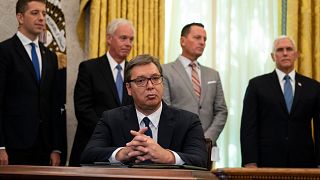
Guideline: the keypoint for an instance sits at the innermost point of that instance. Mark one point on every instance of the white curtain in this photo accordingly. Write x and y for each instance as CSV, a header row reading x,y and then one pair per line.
x,y
240,36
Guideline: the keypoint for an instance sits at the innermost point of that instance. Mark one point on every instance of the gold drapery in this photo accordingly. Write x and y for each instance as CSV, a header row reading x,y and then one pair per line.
x,y
147,17
303,25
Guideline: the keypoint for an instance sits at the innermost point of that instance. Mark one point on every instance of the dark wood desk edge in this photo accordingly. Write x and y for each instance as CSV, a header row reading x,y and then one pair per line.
x,y
266,172
38,172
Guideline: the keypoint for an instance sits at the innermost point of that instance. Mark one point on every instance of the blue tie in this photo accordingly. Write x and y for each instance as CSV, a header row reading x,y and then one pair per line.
x,y
119,82
35,60
288,95
146,121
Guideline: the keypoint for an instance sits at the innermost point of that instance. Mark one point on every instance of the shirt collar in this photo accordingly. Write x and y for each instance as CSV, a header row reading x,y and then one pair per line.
x,y
113,63
25,40
281,74
185,62
154,117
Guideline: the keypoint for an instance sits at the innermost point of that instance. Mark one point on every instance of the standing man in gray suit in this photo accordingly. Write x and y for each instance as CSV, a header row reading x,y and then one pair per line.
x,y
193,87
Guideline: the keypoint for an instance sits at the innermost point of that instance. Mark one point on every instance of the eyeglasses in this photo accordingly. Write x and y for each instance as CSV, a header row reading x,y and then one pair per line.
x,y
143,81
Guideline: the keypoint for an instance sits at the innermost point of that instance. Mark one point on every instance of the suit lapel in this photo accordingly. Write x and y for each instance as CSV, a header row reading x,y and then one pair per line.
x,y
297,91
130,122
126,97
204,81
277,90
44,61
106,71
25,57
166,126
184,76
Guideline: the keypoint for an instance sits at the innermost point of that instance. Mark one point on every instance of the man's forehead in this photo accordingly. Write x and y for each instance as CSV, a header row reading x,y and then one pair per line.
x,y
148,69
34,5
284,43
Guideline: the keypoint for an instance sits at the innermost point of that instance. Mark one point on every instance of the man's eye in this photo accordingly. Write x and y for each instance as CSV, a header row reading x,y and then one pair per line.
x,y
155,78
140,80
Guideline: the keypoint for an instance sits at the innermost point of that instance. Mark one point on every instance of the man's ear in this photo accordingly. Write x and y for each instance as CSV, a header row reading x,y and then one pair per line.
x,y
182,39
109,38
19,17
128,86
272,56
297,54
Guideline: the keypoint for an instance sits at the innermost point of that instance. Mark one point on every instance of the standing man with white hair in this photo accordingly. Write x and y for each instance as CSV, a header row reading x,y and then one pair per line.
x,y
278,109
99,86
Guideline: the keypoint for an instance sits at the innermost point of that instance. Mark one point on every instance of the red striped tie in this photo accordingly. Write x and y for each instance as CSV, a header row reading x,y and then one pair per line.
x,y
195,80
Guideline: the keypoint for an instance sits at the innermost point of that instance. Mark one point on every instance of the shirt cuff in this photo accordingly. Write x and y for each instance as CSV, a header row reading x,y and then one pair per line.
x,y
112,158
178,159
2,148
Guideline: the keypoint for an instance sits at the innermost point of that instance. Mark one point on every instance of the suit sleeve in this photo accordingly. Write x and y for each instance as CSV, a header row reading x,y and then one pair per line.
x,y
166,87
316,124
99,147
219,115
249,126
194,148
83,98
58,136
4,70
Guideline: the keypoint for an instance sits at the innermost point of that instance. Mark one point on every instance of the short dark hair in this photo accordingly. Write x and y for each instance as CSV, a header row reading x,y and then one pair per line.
x,y
140,60
21,5
186,29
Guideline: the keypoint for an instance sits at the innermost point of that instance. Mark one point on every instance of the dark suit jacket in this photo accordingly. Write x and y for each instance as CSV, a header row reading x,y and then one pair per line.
x,y
27,107
178,130
272,137
95,92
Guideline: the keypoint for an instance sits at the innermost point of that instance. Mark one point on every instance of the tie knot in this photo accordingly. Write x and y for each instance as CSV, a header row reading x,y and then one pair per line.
x,y
119,67
32,44
193,65
286,77
146,121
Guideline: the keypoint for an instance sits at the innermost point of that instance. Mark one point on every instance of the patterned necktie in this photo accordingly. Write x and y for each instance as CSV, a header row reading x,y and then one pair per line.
x,y
288,95
119,82
195,80
146,121
35,60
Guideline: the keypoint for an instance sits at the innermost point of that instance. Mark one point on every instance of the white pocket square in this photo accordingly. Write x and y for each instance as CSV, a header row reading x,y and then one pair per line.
x,y
212,82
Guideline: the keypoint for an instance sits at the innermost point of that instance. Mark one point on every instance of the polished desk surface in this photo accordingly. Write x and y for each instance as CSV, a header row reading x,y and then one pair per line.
x,y
267,173
48,172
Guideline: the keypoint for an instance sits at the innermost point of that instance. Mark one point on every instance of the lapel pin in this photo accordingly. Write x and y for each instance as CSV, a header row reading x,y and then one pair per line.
x,y
299,84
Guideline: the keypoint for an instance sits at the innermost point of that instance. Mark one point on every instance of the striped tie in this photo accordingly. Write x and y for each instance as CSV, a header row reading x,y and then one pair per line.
x,y
195,80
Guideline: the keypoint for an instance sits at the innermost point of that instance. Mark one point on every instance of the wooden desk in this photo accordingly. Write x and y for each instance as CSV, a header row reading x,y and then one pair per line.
x,y
13,172
267,173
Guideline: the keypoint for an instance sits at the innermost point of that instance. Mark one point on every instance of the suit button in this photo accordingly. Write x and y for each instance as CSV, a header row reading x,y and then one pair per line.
x,y
286,138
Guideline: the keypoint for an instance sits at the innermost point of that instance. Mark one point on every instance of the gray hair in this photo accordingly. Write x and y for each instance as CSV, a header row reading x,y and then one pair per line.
x,y
283,37
114,24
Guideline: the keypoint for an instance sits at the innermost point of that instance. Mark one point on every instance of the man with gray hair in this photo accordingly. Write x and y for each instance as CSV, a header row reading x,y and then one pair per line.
x,y
278,108
100,86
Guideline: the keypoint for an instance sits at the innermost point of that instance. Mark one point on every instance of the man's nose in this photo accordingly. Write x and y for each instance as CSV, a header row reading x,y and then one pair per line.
x,y
149,84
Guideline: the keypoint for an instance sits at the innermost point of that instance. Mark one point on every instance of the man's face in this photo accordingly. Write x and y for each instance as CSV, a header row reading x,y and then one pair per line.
x,y
147,99
194,43
32,22
284,55
120,43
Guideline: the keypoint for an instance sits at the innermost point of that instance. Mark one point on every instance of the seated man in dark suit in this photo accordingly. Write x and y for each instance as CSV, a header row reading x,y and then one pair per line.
x,y
149,130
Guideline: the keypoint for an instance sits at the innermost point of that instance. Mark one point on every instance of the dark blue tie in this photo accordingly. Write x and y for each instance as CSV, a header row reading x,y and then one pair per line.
x,y
146,121
288,95
119,82
35,60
